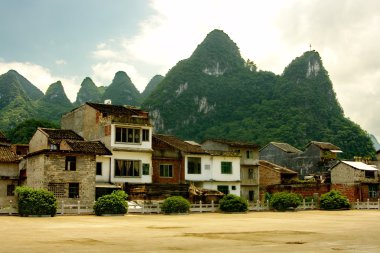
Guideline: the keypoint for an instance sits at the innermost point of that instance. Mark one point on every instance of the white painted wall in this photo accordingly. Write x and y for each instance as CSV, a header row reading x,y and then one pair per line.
x,y
143,157
141,145
105,177
214,186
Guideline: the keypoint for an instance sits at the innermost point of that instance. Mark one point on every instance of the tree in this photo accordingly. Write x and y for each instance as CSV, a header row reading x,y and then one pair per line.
x,y
24,131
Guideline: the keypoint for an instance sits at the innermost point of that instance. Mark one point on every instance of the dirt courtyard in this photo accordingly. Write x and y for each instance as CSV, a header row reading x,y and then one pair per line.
x,y
302,231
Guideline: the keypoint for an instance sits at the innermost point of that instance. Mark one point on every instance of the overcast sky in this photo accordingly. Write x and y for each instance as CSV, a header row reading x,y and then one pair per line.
x,y
67,40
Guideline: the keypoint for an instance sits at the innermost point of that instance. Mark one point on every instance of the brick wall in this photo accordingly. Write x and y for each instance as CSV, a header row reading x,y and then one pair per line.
x,y
351,191
178,171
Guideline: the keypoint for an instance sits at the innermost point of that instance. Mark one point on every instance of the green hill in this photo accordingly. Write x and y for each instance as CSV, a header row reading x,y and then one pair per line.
x,y
216,94
122,91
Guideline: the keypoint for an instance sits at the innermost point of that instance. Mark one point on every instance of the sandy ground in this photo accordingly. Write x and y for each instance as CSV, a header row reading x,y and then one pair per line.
x,y
302,231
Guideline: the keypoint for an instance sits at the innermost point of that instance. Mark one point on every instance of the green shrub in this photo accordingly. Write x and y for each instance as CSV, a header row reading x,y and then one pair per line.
x,y
114,203
35,201
334,200
233,203
175,204
282,201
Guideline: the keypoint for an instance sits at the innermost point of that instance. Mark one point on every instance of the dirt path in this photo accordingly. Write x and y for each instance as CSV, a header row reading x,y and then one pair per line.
x,y
307,231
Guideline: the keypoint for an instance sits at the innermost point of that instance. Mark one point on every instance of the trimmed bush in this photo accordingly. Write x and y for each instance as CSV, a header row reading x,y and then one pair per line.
x,y
114,203
334,200
283,201
35,201
175,204
232,203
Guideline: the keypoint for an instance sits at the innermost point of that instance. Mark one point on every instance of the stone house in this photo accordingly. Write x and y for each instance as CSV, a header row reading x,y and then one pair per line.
x,y
9,172
356,180
63,163
126,132
249,158
317,158
271,177
279,153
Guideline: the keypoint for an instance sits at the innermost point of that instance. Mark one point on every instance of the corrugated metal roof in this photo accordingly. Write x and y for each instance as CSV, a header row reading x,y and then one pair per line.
x,y
360,166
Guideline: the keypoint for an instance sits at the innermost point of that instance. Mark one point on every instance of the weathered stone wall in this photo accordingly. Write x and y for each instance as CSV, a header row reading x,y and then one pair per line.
x,y
268,176
351,191
38,142
344,174
6,201
275,155
50,168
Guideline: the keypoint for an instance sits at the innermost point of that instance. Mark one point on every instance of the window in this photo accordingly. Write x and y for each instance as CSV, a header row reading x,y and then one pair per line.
x,y
10,190
373,190
73,190
251,195
53,147
145,135
71,163
127,168
249,154
99,169
250,173
226,167
58,189
166,170
207,166
145,169
369,174
233,187
194,165
127,135
223,189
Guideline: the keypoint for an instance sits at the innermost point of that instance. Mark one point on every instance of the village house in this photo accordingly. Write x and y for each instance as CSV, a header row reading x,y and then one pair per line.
x,y
63,163
249,158
316,160
279,153
9,172
356,180
126,132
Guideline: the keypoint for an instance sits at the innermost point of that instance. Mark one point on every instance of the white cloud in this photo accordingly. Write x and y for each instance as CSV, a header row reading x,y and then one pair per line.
x,y
41,77
60,62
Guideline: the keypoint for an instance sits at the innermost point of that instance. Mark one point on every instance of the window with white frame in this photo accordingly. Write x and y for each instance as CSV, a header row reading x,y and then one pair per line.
x,y
99,166
127,168
166,170
127,135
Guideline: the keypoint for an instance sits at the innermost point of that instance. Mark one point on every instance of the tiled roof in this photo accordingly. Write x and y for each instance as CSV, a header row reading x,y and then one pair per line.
x,y
57,135
117,110
179,144
276,167
6,154
324,145
88,147
237,144
286,147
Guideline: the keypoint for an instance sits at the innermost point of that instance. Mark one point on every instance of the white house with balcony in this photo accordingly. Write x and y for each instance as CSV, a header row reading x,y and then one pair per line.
x,y
215,170
126,132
